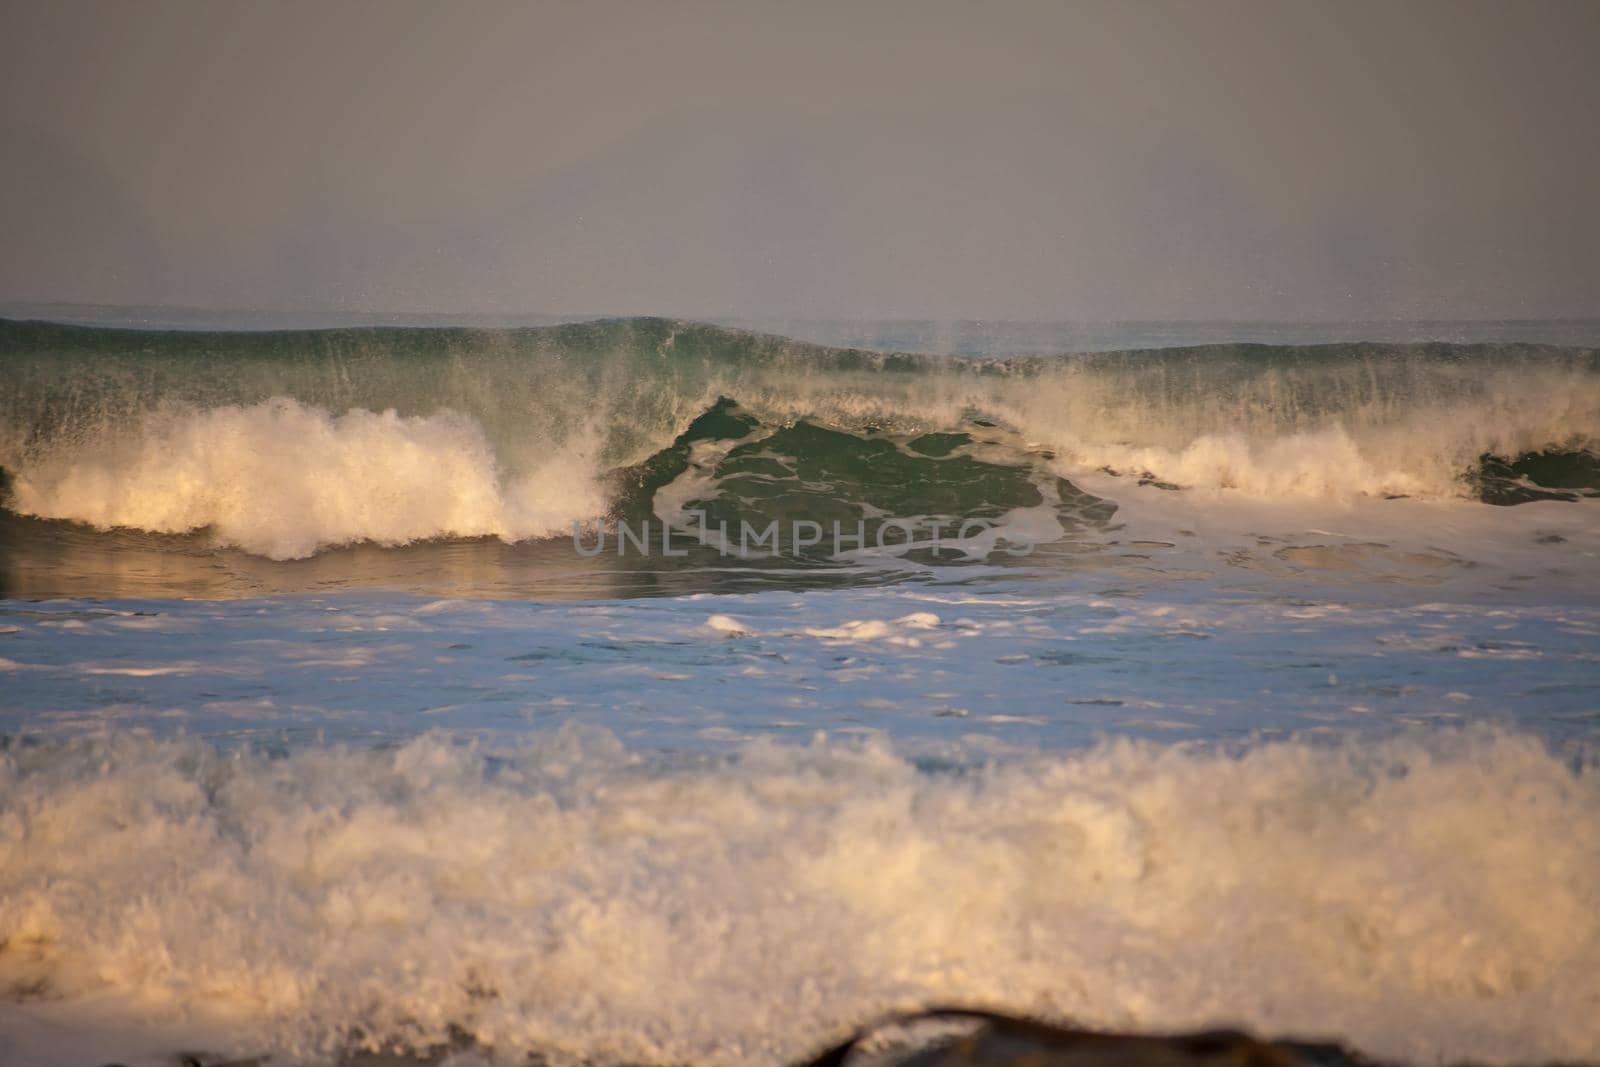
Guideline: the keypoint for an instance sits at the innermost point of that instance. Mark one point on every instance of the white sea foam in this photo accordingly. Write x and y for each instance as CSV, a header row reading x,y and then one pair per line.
x,y
1430,899
1263,444
283,479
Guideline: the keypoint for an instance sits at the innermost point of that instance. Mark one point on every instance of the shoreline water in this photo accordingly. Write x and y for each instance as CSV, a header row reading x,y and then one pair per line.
x,y
284,757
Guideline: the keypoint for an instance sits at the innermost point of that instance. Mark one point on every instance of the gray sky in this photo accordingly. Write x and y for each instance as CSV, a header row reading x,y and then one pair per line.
x,y
1095,161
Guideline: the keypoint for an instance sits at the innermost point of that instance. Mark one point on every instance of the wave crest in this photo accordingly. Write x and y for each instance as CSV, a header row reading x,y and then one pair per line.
x,y
282,479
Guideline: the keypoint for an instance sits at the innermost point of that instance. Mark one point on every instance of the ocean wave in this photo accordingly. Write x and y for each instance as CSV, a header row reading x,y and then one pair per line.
x,y
1427,898
284,443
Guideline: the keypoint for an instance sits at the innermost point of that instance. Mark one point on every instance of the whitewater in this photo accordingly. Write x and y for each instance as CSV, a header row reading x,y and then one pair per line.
x,y
318,733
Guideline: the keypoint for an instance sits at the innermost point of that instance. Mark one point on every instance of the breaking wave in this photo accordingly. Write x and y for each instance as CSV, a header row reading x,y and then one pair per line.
x,y
284,443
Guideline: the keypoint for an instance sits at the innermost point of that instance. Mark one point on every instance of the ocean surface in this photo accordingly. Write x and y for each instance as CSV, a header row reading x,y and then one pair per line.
x,y
659,692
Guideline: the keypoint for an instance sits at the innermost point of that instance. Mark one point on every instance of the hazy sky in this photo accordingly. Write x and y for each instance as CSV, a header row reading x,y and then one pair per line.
x,y
1064,160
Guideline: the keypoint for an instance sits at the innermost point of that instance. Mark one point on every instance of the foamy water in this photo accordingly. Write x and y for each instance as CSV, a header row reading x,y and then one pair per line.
x,y
595,903
282,479
721,829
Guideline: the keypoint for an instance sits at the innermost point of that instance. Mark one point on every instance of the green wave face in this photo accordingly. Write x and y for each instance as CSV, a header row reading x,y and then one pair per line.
x,y
1547,474
810,494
